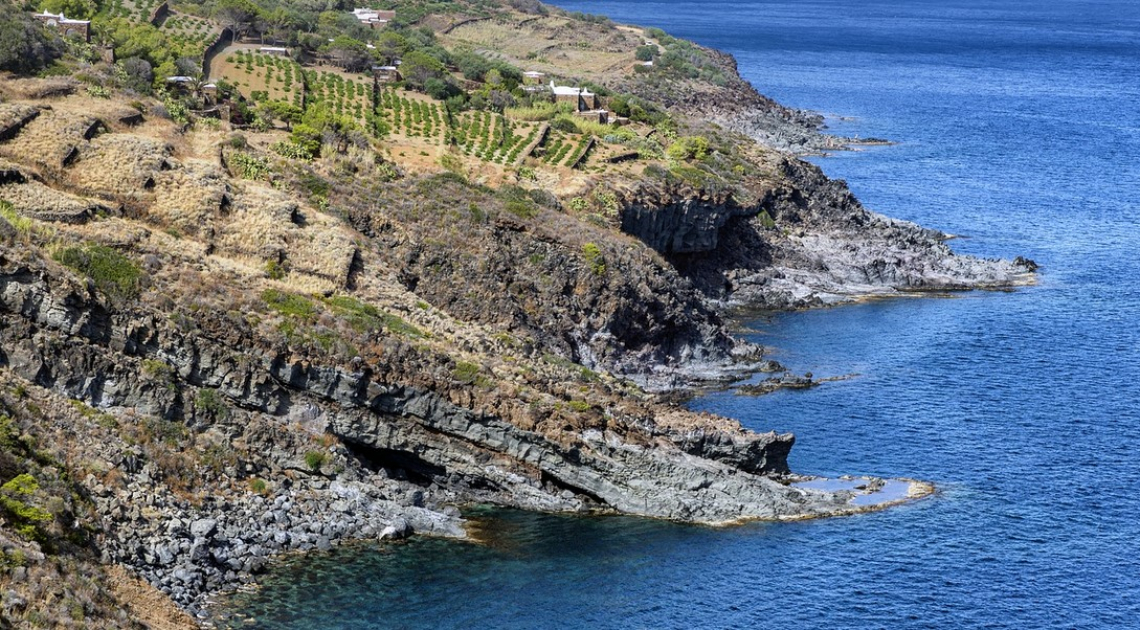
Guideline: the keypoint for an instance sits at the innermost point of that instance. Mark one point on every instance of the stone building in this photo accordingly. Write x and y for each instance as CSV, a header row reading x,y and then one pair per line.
x,y
582,99
66,26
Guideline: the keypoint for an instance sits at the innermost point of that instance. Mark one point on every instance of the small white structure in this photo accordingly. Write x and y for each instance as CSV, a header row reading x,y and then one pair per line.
x,y
274,50
387,74
373,17
65,25
582,98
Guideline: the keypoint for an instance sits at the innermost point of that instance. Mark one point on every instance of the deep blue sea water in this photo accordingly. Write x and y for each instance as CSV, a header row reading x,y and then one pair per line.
x,y
1018,125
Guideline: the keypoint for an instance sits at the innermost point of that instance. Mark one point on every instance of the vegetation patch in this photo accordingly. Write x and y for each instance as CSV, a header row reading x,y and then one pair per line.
x,y
210,403
315,460
289,304
594,258
466,372
113,273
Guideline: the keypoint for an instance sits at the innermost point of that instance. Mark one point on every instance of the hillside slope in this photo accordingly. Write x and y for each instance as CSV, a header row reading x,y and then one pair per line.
x,y
221,340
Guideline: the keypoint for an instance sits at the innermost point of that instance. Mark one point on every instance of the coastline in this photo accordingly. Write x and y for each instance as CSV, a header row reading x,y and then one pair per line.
x,y
829,250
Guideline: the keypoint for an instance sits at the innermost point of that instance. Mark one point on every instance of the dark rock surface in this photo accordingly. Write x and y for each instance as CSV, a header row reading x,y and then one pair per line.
x,y
806,242
404,453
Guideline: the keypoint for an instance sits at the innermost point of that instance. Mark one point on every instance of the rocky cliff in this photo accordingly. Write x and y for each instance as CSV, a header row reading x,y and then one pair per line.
x,y
400,454
220,353
803,241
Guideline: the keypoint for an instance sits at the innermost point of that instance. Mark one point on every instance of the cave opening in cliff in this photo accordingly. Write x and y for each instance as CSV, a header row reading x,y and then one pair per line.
x,y
398,463
552,483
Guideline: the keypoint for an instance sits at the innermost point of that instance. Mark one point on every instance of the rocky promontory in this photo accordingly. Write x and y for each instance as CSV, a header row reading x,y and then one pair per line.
x,y
232,326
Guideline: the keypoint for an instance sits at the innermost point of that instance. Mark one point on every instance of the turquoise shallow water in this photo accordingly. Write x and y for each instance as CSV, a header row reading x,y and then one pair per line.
x,y
1019,128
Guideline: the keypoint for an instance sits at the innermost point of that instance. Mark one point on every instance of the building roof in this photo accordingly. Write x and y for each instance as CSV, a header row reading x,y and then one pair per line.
x,y
534,74
61,18
370,15
564,90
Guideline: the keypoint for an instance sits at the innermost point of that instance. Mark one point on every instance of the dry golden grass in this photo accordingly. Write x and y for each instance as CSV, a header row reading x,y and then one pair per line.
x,y
553,44
38,201
49,139
268,226
146,603
324,249
121,165
189,198
37,88
12,114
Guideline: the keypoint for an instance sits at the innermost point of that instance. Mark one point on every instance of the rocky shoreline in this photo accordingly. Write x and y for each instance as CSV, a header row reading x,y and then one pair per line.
x,y
220,416
403,458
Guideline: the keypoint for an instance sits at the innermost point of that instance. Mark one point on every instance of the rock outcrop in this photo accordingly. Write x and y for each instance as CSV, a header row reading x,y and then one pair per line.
x,y
403,452
806,241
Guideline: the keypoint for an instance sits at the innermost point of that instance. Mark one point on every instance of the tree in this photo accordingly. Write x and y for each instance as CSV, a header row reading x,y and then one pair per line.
x,y
440,89
236,15
647,52
350,54
307,139
418,67
136,74
189,66
472,65
391,46
281,23
500,100
139,40
288,113
24,45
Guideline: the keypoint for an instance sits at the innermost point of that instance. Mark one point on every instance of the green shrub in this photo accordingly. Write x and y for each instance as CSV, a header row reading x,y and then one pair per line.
x,y
259,486
211,403
157,369
594,258
291,150
565,123
22,224
361,317
396,325
315,460
689,148
113,273
465,372
289,304
248,166
276,270
28,519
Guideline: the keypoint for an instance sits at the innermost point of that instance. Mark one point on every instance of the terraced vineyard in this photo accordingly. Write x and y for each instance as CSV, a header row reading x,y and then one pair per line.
x,y
344,96
563,149
412,117
491,137
192,33
133,10
265,77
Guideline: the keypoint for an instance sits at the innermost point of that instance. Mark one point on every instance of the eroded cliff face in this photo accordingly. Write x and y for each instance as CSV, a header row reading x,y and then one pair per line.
x,y
258,369
805,241
399,454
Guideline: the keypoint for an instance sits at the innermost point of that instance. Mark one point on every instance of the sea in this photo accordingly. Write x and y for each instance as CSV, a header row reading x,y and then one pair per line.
x,y
1017,125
